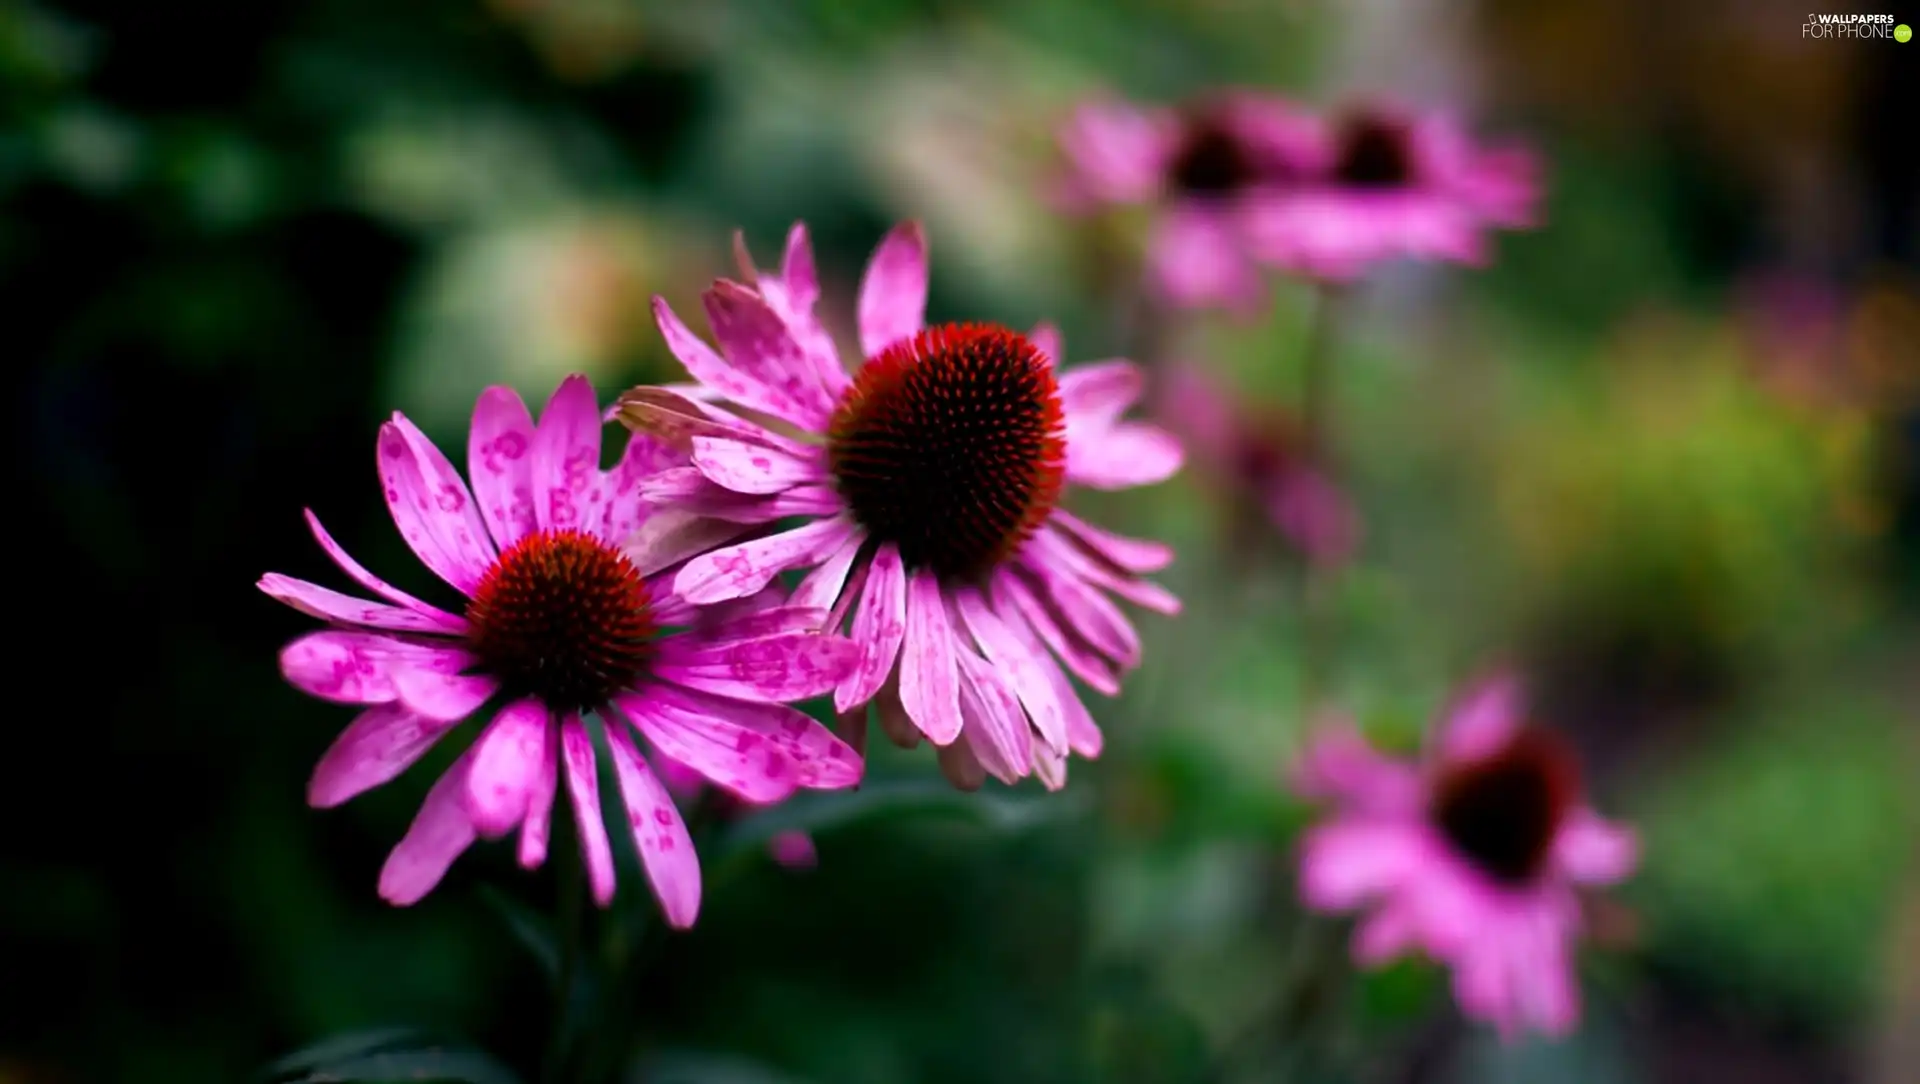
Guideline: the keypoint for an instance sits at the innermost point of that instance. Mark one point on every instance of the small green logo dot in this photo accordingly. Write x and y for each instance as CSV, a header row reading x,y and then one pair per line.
x,y
1903,32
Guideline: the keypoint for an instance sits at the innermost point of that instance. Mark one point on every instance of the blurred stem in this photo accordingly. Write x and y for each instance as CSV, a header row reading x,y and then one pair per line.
x,y
1317,422
569,906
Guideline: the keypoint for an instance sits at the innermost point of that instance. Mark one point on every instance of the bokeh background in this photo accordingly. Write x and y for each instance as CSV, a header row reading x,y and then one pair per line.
x,y
1664,455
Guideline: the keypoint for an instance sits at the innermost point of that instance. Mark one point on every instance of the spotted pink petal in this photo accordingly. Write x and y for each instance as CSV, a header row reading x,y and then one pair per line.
x,y
752,468
745,763
566,459
431,506
824,585
446,621
437,695
330,605
440,832
507,762
669,537
743,569
823,761
536,828
378,745
778,376
1013,662
879,625
343,667
666,850
773,669
768,617
643,457
499,461
583,787
995,727
929,683
893,292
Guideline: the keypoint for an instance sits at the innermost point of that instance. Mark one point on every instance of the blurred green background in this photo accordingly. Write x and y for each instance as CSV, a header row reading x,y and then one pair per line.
x,y
1665,454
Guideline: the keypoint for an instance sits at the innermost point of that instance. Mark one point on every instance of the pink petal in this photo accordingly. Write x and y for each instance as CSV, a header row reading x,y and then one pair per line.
x,y
1010,593
879,624
774,373
746,568
344,667
330,605
1050,766
1195,258
1045,338
1130,554
996,729
1015,663
1338,764
1592,851
507,762
498,448
436,695
379,744
793,298
673,416
823,761
666,850
431,506
1099,392
796,270
822,587
1388,933
670,537
566,459
742,761
1051,546
794,850
893,292
768,618
892,714
642,458
752,468
1123,456
929,683
537,826
1083,735
583,786
1345,863
1483,719
1118,153
447,622
773,669
438,835
1088,614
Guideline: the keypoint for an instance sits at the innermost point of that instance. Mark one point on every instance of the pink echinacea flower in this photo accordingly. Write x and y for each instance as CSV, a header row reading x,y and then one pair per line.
x,y
929,480
560,620
1475,857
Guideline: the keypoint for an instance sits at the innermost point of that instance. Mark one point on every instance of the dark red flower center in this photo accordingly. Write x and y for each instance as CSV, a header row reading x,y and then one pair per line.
x,y
951,445
564,617
1375,152
1212,161
1502,811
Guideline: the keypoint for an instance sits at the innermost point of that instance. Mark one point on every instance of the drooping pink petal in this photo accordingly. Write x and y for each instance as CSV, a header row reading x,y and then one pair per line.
x,y
961,767
1388,933
1345,863
1059,548
737,759
879,624
1088,614
773,669
752,468
1122,456
1014,662
745,568
1011,594
673,415
777,375
379,744
892,714
431,506
1083,735
565,464
1589,850
669,537
499,449
1050,766
996,729
666,850
330,605
439,695
822,587
814,756
929,682
439,834
583,787
537,826
447,622
507,762
893,292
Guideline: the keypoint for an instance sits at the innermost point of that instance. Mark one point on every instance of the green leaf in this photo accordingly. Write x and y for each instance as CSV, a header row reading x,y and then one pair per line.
x,y
528,927
818,811
389,1054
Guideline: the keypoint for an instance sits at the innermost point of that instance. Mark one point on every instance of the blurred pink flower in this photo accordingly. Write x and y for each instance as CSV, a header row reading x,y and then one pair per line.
x,y
1476,857
1263,466
1389,185
793,850
1203,166
929,481
560,620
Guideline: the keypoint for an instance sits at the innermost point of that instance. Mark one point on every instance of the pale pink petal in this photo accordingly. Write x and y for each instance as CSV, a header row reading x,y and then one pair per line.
x,y
752,468
439,834
995,727
823,586
1118,153
961,767
775,373
1058,548
330,605
743,569
583,787
773,669
1088,613
1134,555
1483,719
507,762
1083,735
1122,456
1338,764
538,823
666,850
1592,851
1015,663
794,850
1345,863
879,624
443,696
1195,258
565,464
794,299
1099,392
929,684
431,506
1050,766
1011,594
893,292
1045,338
447,622
623,508
499,447
379,744
670,537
